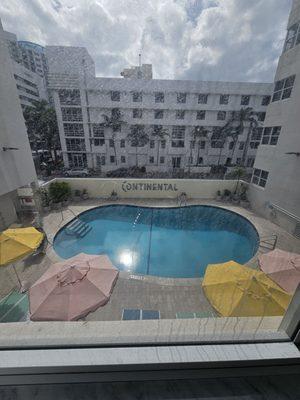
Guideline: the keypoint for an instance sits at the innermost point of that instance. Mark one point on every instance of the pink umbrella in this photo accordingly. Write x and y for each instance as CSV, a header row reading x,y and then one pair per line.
x,y
71,289
283,267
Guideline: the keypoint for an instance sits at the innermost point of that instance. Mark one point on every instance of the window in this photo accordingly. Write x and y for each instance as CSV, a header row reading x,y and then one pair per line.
x,y
71,114
178,134
254,145
221,116
77,160
100,160
115,96
231,145
200,160
245,100
137,97
152,144
224,99
190,160
111,143
250,161
180,114
98,130
241,145
161,160
201,114
217,144
260,177
261,116
69,97
137,113
123,159
192,144
283,88
112,159
158,114
292,37
256,134
163,144
238,161
266,100
116,128
151,159
73,130
75,144
99,142
122,143
271,135
181,97
202,98
115,113
159,97
202,144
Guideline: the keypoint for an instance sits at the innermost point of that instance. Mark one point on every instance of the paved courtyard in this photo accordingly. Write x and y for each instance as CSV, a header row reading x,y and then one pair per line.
x,y
167,295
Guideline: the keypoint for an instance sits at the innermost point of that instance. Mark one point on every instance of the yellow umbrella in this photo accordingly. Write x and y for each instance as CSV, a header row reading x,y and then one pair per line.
x,y
238,291
18,243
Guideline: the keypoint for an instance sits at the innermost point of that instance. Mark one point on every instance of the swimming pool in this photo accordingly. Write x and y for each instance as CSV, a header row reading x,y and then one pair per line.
x,y
176,242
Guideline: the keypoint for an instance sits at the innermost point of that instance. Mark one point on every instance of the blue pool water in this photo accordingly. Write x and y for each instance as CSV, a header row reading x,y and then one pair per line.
x,y
169,242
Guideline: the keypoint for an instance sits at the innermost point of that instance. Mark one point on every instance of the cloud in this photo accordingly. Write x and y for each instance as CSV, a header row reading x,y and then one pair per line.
x,y
235,40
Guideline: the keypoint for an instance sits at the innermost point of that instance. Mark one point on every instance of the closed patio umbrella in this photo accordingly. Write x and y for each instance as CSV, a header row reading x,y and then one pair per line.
x,y
283,267
71,289
238,291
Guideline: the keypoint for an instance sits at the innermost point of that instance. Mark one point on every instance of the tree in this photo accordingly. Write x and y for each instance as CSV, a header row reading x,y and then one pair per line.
x,y
238,173
198,134
42,127
243,117
159,133
138,138
114,122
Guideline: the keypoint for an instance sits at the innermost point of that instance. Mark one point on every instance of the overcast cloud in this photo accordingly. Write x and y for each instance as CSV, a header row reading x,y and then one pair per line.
x,y
233,40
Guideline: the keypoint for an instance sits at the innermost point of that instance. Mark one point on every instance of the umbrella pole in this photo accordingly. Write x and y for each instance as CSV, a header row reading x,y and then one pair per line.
x,y
20,284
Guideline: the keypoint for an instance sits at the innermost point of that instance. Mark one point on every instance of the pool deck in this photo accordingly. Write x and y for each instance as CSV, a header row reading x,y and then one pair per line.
x,y
168,295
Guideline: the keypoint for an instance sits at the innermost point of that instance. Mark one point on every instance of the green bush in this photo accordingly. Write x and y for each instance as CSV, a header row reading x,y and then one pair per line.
x,y
44,196
59,191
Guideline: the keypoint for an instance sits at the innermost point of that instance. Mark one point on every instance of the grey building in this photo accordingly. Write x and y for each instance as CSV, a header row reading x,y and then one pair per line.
x,y
189,113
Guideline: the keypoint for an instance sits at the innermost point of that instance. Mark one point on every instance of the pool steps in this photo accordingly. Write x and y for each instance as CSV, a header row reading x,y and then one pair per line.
x,y
78,228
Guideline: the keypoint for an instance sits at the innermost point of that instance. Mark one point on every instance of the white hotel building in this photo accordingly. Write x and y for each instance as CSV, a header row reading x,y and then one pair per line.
x,y
178,106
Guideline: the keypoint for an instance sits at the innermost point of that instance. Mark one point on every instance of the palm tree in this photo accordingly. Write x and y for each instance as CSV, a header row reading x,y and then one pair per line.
x,y
42,127
238,173
159,133
242,117
199,133
113,122
137,137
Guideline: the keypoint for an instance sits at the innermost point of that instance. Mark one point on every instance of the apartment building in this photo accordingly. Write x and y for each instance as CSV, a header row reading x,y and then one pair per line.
x,y
275,189
178,121
16,164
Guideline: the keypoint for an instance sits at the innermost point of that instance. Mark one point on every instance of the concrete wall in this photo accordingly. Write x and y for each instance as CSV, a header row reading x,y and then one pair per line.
x,y
7,210
16,166
283,185
149,188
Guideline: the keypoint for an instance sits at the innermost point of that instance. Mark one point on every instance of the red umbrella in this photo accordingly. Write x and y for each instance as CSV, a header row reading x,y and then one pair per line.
x,y
71,289
282,267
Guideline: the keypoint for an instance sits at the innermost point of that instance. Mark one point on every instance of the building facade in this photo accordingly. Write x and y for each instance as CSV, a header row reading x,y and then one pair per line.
x,y
109,123
275,189
16,164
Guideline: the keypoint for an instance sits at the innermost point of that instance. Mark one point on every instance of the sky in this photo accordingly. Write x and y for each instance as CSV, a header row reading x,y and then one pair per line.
x,y
227,40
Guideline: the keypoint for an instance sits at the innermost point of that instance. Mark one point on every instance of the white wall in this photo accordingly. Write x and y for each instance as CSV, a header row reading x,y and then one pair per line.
x,y
16,166
157,188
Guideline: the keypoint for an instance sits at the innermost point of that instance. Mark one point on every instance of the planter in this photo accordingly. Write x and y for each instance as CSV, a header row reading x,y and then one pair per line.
x,y
85,196
245,203
56,206
46,209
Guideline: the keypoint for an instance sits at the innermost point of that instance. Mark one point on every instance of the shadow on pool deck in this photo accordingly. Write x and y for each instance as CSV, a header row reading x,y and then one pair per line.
x,y
169,299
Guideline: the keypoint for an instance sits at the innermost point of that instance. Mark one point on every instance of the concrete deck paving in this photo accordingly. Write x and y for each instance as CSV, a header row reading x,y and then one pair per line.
x,y
167,295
